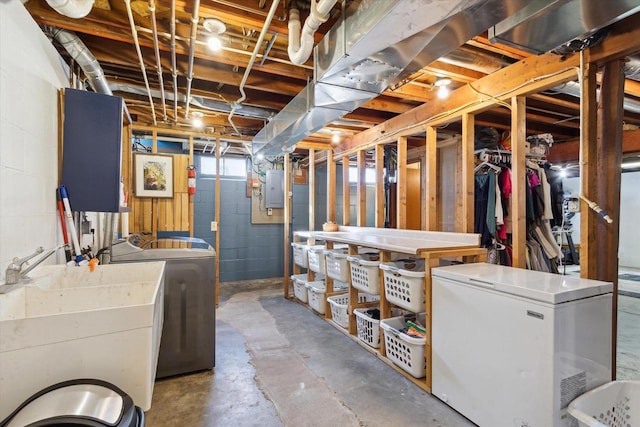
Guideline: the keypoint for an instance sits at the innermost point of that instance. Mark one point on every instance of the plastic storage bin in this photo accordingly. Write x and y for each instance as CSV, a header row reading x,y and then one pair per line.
x,y
315,257
368,328
614,404
300,286
336,262
300,254
316,294
404,284
339,305
404,351
364,272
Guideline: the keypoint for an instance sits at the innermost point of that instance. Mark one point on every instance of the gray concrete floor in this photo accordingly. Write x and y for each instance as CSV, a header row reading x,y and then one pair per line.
x,y
277,364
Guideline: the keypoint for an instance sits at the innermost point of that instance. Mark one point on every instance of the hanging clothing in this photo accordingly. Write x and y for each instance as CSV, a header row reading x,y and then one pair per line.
x,y
481,189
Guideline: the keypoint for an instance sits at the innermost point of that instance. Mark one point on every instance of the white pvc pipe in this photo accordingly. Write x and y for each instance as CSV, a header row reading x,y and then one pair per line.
x,y
72,8
301,40
256,49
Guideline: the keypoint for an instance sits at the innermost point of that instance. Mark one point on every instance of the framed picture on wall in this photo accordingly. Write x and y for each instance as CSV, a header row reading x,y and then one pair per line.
x,y
153,175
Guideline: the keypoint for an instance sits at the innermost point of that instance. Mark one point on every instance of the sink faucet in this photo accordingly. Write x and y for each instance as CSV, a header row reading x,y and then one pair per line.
x,y
15,273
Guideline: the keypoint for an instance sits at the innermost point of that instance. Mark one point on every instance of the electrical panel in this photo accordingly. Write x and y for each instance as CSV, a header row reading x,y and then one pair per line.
x,y
274,197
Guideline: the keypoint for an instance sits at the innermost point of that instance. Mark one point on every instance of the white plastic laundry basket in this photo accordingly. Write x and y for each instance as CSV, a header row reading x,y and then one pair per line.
x,y
339,303
404,284
614,404
316,294
336,260
404,351
364,272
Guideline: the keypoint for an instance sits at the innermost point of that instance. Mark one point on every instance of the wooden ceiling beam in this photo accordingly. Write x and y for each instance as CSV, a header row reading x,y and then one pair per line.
x,y
521,78
518,79
569,152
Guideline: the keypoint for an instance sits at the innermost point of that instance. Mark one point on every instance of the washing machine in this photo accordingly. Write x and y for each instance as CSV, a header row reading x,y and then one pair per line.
x,y
83,402
188,335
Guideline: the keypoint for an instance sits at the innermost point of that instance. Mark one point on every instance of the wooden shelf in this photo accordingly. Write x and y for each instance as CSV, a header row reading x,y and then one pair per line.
x,y
431,246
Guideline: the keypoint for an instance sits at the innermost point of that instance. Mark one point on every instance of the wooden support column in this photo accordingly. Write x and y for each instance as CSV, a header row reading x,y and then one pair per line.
x,y
609,152
217,216
467,178
588,177
518,176
191,201
379,186
430,221
287,222
312,189
401,184
346,192
361,208
331,187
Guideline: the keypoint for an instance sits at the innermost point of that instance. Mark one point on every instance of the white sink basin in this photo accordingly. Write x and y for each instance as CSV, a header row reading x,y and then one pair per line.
x,y
70,323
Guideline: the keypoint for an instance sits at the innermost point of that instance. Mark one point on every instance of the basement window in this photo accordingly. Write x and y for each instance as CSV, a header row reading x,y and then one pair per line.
x,y
230,166
370,176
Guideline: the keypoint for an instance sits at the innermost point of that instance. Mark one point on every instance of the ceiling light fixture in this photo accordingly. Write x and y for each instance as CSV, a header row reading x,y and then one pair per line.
x,y
196,120
216,27
442,85
335,138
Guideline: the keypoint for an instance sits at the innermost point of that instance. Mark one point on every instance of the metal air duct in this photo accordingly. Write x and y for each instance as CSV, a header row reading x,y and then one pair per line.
x,y
374,45
543,25
72,8
85,59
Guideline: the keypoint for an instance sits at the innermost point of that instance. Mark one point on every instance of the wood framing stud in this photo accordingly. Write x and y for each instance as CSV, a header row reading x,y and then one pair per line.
x,y
401,184
431,176
467,174
518,177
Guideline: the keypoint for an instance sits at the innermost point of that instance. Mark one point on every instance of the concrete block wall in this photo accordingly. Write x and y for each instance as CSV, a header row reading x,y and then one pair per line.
x,y
31,72
247,251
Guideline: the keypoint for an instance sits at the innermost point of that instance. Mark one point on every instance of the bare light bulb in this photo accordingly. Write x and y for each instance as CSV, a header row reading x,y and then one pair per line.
x,y
443,92
196,122
335,138
214,43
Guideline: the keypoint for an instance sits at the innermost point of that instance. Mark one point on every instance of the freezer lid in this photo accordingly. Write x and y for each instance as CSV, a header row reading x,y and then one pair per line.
x,y
536,285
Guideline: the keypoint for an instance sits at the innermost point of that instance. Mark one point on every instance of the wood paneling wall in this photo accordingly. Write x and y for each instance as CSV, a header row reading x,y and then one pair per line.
x,y
151,215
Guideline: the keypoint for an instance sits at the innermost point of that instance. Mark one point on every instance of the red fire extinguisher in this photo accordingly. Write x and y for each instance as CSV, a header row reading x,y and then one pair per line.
x,y
191,182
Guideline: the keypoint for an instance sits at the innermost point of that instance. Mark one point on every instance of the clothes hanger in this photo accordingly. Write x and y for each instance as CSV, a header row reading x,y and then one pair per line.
x,y
490,165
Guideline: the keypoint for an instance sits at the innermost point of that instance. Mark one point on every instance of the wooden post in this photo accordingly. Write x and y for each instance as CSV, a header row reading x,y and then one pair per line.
x,y
609,152
312,189
287,222
361,208
588,177
401,183
379,186
331,187
346,192
217,216
191,201
467,178
518,176
431,185
150,206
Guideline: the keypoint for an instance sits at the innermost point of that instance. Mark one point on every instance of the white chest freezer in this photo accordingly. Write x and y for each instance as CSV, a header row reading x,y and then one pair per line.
x,y
512,347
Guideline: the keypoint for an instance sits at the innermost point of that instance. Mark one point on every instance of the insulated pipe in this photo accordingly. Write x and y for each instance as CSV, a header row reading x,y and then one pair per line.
x,y
301,42
152,8
83,57
192,51
174,71
256,49
134,33
72,8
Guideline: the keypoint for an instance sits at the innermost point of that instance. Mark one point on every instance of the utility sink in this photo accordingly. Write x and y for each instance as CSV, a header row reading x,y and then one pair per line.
x,y
69,323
